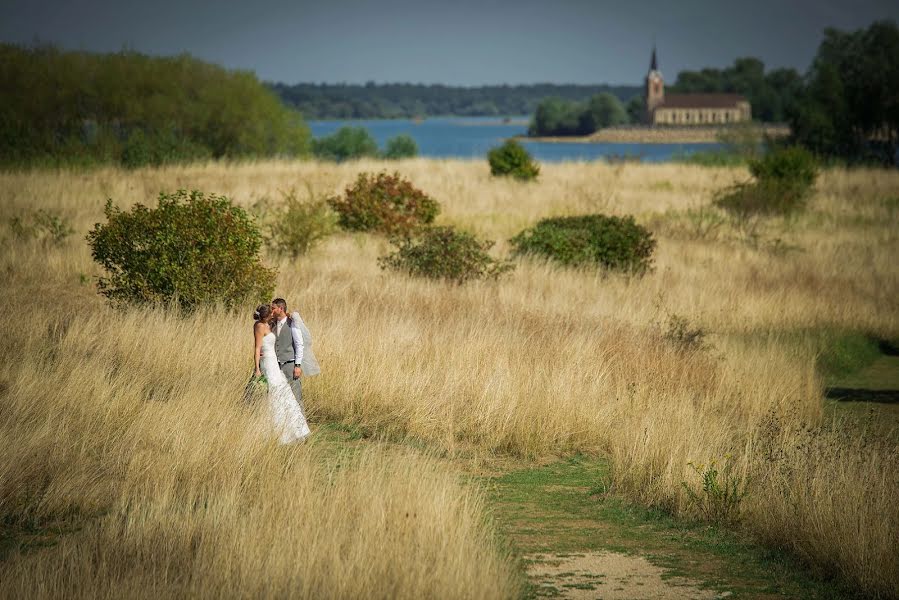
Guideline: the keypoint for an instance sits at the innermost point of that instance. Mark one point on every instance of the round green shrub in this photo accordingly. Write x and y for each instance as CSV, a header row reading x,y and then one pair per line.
x,y
444,253
299,225
401,146
512,160
193,249
770,197
791,165
385,203
784,181
346,143
616,243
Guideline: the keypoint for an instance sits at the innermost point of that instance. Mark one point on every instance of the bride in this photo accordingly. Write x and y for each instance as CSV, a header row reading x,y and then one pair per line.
x,y
287,418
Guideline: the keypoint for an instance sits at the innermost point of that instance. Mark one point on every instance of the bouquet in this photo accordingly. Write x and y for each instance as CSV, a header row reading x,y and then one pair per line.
x,y
256,387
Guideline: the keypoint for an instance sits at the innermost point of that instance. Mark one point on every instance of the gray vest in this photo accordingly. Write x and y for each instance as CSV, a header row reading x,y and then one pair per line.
x,y
284,343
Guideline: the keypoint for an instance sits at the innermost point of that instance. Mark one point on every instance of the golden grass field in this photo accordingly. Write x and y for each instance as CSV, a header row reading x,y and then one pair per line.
x,y
124,428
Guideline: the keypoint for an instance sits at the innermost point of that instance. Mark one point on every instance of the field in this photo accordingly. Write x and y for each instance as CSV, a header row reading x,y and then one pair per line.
x,y
132,468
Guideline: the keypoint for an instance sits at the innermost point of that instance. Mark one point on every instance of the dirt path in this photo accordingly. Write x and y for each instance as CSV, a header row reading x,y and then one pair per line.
x,y
611,576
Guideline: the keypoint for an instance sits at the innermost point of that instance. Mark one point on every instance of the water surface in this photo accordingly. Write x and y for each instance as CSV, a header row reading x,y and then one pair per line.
x,y
472,137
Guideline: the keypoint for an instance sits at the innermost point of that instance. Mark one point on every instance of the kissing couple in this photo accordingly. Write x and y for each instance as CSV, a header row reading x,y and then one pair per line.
x,y
283,354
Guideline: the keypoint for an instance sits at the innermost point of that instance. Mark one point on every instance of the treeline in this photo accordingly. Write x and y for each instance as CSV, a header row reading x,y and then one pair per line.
x,y
405,100
770,94
61,108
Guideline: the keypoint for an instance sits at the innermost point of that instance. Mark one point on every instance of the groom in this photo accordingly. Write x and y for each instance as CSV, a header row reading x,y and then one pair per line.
x,y
288,348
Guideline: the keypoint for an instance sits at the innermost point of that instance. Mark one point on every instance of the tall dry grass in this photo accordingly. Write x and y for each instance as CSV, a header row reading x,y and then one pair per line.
x,y
125,430
548,360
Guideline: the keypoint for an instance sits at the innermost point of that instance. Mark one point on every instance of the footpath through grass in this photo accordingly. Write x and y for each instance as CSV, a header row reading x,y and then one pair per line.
x,y
564,509
563,514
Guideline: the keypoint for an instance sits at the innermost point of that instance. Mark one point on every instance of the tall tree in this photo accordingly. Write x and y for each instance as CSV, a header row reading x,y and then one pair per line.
x,y
850,105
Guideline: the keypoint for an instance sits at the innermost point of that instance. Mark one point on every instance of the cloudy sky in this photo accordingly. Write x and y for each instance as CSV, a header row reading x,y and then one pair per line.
x,y
463,42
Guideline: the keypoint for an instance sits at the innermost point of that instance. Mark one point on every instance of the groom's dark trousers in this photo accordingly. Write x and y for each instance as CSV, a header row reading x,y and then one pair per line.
x,y
285,352
295,385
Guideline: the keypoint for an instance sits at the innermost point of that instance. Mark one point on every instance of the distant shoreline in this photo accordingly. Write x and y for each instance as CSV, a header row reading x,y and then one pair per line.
x,y
655,135
467,120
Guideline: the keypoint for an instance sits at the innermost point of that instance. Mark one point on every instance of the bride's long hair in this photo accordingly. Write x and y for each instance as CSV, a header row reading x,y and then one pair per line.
x,y
263,313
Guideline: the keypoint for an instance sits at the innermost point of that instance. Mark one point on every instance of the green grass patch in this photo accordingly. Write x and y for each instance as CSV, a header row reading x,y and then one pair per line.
x,y
845,352
837,352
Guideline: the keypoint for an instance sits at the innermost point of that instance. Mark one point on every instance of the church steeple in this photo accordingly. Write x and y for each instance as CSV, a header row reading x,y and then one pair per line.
x,y
655,86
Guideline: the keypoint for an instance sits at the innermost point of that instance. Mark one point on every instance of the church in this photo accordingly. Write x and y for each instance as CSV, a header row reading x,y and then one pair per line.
x,y
690,109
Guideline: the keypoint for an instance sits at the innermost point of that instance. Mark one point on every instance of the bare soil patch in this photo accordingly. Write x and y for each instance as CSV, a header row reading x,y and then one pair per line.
x,y
610,576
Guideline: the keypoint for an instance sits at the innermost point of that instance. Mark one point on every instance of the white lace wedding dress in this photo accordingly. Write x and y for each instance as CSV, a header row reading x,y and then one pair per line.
x,y
287,418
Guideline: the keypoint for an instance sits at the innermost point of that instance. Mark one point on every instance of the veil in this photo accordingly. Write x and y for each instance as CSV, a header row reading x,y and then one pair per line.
x,y
308,364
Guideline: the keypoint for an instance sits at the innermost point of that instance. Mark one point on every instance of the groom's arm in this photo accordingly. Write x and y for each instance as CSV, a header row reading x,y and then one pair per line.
x,y
297,337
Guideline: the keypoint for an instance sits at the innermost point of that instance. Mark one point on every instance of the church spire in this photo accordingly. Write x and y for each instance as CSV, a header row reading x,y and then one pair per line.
x,y
655,86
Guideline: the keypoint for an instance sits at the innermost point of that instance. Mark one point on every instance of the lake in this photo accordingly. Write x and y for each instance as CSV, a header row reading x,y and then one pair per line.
x,y
472,137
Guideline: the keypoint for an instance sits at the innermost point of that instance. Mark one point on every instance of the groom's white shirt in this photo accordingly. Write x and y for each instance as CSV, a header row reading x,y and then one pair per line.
x,y
297,340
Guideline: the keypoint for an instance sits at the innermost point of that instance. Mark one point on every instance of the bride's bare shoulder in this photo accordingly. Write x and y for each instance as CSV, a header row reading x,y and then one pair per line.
x,y
259,326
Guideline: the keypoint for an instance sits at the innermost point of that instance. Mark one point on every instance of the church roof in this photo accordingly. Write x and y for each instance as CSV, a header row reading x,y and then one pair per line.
x,y
653,63
701,101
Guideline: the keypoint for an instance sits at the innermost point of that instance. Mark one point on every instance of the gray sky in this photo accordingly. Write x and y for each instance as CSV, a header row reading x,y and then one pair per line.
x,y
463,42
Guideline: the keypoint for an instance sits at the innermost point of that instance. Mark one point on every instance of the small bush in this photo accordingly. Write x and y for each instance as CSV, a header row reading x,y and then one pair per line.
x,y
720,493
764,199
612,242
401,146
346,143
384,203
43,225
511,159
704,222
300,225
444,253
784,181
791,165
684,336
192,248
